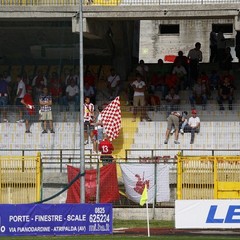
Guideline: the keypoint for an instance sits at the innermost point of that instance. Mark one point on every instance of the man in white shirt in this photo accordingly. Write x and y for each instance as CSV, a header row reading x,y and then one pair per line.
x,y
72,95
113,84
88,120
193,125
139,87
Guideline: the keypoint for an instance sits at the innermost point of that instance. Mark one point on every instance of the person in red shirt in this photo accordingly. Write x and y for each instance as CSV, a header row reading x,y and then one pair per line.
x,y
27,101
106,148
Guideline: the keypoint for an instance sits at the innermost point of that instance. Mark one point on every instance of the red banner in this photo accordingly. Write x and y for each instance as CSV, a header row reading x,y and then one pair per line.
x,y
108,185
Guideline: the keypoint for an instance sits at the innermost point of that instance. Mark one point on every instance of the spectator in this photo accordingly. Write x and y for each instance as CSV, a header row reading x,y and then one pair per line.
x,y
194,56
55,88
38,83
106,148
173,120
227,60
99,130
29,108
45,102
113,84
89,91
214,80
221,45
182,123
237,47
172,100
180,71
88,120
4,97
193,125
153,100
143,70
158,80
7,77
21,91
213,47
225,93
72,95
199,94
181,59
71,75
139,87
172,81
89,78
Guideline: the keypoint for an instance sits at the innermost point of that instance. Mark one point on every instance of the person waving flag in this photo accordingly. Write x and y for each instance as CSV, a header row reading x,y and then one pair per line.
x,y
111,119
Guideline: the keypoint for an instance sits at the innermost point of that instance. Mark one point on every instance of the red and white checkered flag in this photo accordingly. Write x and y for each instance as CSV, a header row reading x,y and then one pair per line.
x,y
111,118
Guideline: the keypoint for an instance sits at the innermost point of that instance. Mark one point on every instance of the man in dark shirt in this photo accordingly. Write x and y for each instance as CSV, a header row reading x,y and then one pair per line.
x,y
225,93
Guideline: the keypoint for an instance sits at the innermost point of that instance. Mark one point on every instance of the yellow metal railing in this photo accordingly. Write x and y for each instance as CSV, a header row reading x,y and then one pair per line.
x,y
208,177
20,179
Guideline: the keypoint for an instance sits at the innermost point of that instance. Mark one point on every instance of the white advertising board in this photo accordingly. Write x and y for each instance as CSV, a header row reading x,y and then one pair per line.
x,y
207,214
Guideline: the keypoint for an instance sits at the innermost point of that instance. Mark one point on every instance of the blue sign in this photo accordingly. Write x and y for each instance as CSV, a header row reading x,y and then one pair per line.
x,y
55,219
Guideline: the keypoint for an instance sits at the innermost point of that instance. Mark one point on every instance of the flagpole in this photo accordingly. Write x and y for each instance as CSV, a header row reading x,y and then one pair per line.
x,y
81,110
148,228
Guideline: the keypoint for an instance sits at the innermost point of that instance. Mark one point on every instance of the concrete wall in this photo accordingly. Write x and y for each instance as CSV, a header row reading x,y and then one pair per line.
x,y
154,45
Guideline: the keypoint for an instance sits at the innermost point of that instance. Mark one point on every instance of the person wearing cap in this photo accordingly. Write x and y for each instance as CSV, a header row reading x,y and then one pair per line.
x,y
173,120
193,125
29,112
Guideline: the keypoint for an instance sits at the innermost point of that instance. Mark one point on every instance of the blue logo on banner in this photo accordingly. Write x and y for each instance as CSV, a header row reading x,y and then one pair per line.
x,y
55,219
232,216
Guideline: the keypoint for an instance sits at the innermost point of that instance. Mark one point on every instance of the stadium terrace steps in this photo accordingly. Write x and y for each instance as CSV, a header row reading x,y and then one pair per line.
x,y
212,136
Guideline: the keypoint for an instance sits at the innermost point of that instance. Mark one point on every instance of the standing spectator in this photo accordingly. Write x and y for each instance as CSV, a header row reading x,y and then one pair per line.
x,y
139,87
213,47
113,84
194,56
183,60
99,130
4,97
227,59
193,125
221,45
199,94
38,83
143,70
173,101
72,95
158,80
45,101
225,93
106,148
173,120
29,110
21,91
237,47
88,120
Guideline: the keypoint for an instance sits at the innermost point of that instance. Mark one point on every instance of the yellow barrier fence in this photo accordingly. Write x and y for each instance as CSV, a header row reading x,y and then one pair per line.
x,y
20,179
208,177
